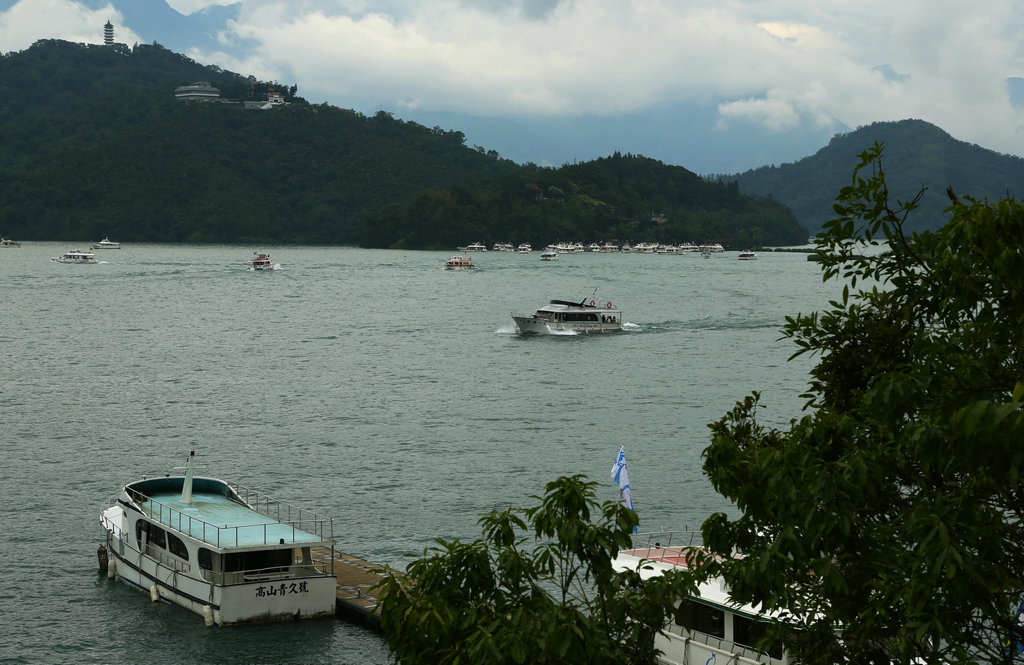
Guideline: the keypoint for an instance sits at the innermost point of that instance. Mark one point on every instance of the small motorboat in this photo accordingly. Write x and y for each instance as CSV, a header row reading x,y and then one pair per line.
x,y
459,262
75,256
260,261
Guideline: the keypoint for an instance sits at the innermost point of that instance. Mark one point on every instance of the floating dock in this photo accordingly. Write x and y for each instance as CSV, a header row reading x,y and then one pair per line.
x,y
354,597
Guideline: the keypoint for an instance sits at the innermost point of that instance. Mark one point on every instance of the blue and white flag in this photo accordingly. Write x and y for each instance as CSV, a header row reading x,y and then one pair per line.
x,y
621,477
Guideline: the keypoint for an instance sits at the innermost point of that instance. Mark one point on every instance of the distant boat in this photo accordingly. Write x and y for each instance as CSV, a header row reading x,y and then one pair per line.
x,y
747,256
107,243
548,256
260,261
459,262
75,256
6,242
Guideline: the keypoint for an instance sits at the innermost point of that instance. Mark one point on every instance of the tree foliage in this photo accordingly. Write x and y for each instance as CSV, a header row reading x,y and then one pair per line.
x,y
893,509
538,587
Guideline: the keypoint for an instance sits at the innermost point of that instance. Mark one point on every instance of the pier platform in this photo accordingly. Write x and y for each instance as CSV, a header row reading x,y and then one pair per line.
x,y
354,597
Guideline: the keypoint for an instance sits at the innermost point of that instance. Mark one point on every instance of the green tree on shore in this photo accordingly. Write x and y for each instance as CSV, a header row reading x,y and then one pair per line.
x,y
893,509
537,588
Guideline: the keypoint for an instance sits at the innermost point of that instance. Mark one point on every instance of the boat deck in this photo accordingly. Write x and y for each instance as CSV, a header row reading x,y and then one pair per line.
x,y
673,556
215,519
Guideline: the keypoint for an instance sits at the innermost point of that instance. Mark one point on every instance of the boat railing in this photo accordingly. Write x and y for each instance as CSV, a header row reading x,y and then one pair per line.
x,y
654,542
737,653
286,513
297,520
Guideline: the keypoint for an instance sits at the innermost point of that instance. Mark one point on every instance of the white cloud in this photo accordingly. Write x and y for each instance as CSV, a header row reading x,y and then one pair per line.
x,y
776,63
28,21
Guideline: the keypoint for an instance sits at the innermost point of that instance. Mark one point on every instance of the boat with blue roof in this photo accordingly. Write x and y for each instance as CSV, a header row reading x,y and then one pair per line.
x,y
228,553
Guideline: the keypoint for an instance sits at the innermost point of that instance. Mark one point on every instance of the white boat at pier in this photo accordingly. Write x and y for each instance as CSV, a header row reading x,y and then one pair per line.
x,y
225,552
709,625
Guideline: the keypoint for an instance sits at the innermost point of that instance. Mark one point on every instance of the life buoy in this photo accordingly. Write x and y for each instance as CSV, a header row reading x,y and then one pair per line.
x,y
608,304
591,303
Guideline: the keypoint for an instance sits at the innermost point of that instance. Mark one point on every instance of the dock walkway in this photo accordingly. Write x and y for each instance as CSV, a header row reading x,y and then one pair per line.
x,y
354,597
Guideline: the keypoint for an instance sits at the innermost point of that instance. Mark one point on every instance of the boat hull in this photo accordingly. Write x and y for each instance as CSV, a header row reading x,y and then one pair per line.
x,y
534,325
255,601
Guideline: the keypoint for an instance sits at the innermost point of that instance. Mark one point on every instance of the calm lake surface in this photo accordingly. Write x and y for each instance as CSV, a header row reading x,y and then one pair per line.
x,y
373,386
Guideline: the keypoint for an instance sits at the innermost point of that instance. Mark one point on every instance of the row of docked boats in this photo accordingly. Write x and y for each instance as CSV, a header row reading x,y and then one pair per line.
x,y
605,247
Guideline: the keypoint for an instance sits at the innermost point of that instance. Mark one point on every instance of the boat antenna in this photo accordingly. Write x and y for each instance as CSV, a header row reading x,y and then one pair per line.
x,y
186,488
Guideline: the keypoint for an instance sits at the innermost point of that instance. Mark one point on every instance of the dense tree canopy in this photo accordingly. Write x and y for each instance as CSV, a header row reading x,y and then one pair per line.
x,y
893,509
505,599
93,143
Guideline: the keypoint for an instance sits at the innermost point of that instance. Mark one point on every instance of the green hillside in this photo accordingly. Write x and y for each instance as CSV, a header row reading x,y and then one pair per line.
x,y
917,154
95,144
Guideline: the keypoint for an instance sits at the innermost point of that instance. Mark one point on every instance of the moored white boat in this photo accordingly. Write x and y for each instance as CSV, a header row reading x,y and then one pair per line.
x,y
75,256
459,262
565,316
107,243
225,552
707,626
524,248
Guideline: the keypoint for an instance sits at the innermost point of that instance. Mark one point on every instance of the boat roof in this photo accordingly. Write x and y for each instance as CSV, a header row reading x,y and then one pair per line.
x,y
561,305
216,517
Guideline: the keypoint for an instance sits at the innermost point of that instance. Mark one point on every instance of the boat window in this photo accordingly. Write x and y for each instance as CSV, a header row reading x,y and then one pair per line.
x,y
257,560
748,631
205,559
176,546
700,617
156,536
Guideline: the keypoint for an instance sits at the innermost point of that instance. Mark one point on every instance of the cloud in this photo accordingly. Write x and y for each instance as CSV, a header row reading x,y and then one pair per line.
x,y
28,21
777,64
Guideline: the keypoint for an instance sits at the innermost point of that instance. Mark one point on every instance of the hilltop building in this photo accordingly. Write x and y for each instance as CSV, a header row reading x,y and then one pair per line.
x,y
108,34
200,91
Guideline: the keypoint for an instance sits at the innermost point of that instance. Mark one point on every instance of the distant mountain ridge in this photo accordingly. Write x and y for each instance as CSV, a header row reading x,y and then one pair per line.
x,y
917,154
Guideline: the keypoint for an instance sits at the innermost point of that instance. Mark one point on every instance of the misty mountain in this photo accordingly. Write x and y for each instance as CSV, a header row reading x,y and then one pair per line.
x,y
918,155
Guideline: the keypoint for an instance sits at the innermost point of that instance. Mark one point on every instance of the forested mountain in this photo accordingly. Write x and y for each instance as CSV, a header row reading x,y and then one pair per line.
x,y
917,154
93,143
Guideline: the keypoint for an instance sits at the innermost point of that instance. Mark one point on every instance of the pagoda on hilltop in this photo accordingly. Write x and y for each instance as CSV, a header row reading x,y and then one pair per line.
x,y
108,34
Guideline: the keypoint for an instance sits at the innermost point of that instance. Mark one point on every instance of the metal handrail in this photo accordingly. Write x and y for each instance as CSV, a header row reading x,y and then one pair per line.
x,y
305,520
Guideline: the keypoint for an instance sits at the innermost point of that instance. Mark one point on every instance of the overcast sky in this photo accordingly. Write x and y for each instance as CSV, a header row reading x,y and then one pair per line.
x,y
777,64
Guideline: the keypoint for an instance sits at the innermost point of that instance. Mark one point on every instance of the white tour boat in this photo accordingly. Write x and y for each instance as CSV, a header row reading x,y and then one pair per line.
x,y
228,553
708,626
260,261
107,243
475,247
549,256
566,316
459,262
747,256
524,248
75,256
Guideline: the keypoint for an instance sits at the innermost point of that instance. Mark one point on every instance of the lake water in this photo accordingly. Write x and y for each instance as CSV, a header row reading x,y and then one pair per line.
x,y
373,386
